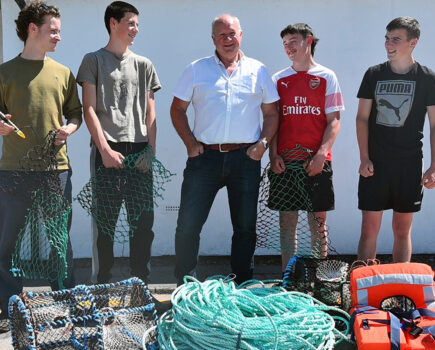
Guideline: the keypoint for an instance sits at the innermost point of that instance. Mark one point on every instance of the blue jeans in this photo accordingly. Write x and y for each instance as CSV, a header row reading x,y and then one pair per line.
x,y
15,200
203,177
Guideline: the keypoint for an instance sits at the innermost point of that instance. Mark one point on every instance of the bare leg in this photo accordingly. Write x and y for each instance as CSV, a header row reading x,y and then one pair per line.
x,y
288,221
319,234
402,227
370,227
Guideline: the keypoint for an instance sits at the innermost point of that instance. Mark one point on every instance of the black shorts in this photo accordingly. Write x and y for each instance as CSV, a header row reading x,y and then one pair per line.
x,y
395,185
294,190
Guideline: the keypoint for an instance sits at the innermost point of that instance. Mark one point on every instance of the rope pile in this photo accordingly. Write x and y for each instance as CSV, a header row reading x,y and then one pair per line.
x,y
218,314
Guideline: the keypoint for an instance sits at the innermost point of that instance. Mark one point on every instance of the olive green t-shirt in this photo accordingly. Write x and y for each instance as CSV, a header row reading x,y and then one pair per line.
x,y
37,94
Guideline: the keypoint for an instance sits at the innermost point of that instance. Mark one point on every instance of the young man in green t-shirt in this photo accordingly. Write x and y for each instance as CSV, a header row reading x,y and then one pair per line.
x,y
37,92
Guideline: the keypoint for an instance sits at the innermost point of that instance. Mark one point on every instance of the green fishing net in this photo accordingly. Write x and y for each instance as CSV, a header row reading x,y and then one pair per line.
x,y
116,198
41,248
286,221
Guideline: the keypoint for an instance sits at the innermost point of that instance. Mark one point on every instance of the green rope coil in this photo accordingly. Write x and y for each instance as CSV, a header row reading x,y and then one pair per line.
x,y
218,314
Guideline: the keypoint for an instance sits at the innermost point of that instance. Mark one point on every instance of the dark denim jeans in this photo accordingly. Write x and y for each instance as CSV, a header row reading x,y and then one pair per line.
x,y
14,203
203,177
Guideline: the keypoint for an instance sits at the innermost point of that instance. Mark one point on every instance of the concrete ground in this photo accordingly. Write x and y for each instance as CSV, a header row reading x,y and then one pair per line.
x,y
162,282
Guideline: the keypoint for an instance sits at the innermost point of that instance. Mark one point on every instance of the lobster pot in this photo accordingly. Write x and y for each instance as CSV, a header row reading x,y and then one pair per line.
x,y
108,316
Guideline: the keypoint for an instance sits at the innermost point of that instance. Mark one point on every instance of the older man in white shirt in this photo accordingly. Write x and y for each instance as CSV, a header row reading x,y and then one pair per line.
x,y
230,93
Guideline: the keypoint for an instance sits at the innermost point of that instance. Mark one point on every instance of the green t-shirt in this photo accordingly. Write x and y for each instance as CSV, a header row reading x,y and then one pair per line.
x,y
37,93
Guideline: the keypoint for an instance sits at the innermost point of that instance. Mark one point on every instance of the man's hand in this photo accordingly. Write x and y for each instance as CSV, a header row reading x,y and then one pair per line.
x,y
5,129
366,168
429,178
63,133
195,149
277,164
315,165
112,159
256,151
145,161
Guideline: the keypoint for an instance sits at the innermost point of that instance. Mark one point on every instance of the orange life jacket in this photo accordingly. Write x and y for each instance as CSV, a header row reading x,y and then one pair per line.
x,y
375,329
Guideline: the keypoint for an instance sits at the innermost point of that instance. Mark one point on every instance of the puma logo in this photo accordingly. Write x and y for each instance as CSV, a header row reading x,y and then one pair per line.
x,y
385,103
285,84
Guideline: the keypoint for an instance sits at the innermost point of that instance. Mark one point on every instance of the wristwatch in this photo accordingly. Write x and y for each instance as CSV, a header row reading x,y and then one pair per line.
x,y
265,143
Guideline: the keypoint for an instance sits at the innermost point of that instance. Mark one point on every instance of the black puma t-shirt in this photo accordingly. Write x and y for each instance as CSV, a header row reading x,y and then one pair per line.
x,y
399,107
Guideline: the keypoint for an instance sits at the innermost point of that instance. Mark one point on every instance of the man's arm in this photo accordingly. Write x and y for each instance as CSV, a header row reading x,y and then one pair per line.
x,y
366,168
315,165
111,158
270,126
181,125
150,120
429,176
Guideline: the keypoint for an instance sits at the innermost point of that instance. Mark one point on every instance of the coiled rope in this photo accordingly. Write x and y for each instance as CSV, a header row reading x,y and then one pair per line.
x,y
218,314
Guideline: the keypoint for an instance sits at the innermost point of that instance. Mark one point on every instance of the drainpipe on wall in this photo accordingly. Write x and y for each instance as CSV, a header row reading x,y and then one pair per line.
x,y
21,3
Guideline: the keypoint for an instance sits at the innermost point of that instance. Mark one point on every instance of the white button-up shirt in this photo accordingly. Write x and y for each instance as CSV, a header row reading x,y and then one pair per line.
x,y
227,107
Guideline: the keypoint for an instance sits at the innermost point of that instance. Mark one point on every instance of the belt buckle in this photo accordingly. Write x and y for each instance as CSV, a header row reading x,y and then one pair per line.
x,y
220,148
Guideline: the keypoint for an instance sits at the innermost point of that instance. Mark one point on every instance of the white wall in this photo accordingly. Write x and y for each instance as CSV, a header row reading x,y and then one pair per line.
x,y
175,32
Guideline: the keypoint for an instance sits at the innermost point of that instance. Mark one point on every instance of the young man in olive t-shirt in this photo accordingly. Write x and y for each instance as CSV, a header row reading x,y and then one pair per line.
x,y
37,92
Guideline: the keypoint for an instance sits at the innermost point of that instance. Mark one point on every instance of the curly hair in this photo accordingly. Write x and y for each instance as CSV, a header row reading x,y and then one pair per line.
x,y
34,13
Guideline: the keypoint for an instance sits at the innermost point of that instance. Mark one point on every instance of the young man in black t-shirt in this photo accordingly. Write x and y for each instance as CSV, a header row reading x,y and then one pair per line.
x,y
393,100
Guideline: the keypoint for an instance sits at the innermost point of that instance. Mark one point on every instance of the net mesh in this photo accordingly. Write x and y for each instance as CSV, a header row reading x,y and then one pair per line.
x,y
116,198
110,316
286,221
41,247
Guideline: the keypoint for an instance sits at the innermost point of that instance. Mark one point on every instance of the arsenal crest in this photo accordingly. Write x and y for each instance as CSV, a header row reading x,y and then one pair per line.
x,y
314,83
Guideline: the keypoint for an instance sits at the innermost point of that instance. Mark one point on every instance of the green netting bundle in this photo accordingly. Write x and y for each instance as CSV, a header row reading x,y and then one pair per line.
x,y
41,246
116,198
286,221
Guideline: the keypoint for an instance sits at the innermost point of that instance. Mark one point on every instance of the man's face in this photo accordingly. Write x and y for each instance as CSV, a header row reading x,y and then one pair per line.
x,y
397,44
127,28
227,38
48,34
296,46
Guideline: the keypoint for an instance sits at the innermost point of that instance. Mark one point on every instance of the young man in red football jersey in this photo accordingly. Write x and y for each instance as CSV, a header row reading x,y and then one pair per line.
x,y
309,107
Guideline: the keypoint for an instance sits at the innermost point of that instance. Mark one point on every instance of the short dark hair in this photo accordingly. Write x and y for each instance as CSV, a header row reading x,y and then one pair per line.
x,y
410,24
34,13
117,10
303,29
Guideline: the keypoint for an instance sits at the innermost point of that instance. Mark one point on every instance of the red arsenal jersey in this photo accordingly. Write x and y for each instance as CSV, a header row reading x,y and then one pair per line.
x,y
305,99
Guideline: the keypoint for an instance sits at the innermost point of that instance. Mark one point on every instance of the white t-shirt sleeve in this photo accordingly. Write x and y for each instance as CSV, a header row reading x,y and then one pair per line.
x,y
334,98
